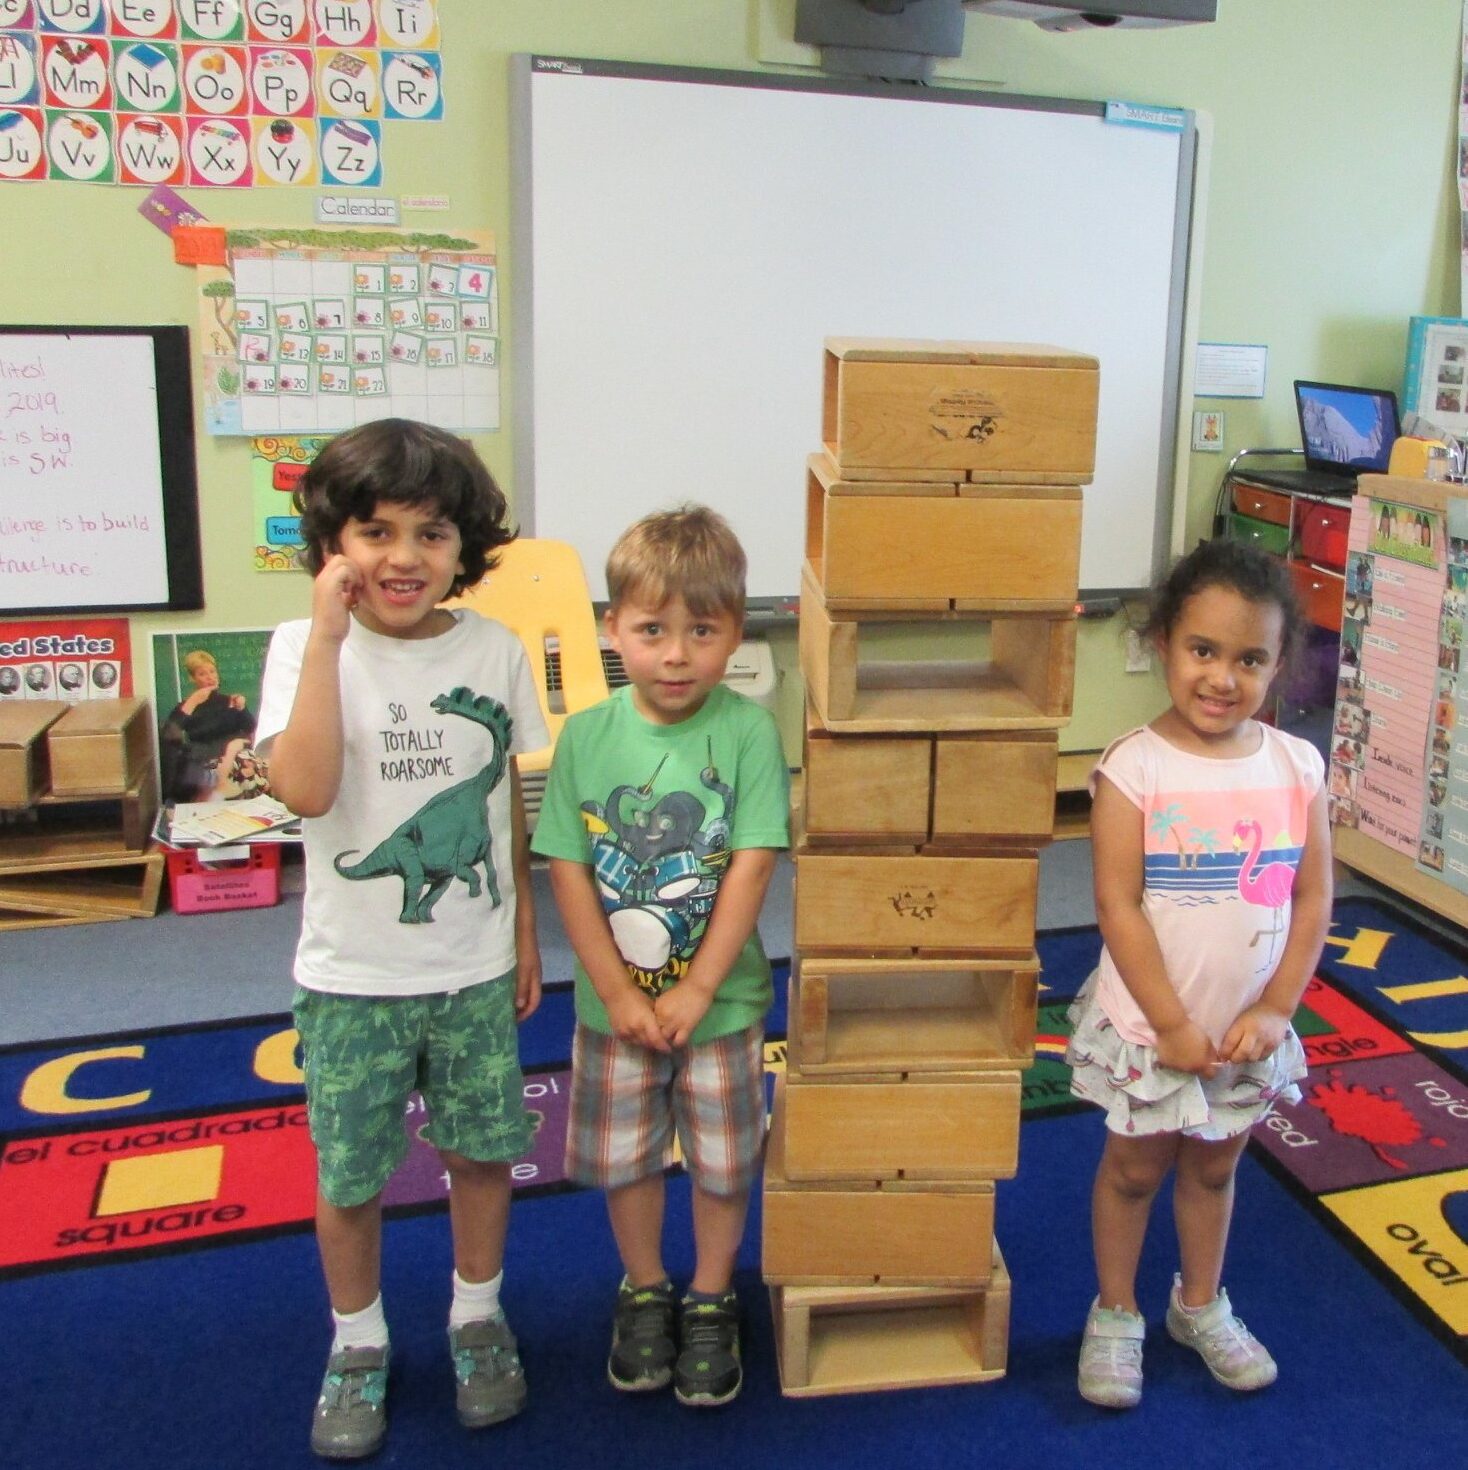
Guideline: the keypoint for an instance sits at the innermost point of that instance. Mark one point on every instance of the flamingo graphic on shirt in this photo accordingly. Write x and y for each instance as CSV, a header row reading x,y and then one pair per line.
x,y
1268,887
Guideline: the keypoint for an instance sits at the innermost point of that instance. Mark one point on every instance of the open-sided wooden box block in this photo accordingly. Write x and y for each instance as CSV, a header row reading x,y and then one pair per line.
x,y
1026,684
100,745
909,903
866,1016
859,1339
24,773
927,545
999,408
973,790
921,1125
872,1232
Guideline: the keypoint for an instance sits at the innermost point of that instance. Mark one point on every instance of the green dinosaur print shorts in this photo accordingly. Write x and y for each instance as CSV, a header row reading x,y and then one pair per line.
x,y
363,1055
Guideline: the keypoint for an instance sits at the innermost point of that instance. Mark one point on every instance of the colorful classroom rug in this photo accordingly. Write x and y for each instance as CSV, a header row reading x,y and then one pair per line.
x,y
163,1307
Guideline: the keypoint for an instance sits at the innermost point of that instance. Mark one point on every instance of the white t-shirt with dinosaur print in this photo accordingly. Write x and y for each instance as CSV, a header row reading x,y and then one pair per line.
x,y
410,884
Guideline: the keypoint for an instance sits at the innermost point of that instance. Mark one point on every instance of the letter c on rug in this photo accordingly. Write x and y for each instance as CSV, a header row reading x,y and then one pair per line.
x,y
44,1091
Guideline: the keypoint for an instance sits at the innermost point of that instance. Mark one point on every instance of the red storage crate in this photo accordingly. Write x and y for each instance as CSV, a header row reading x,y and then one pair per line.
x,y
250,882
1323,530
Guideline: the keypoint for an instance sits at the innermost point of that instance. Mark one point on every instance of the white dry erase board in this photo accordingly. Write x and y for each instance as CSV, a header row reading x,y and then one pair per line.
x,y
685,241
98,494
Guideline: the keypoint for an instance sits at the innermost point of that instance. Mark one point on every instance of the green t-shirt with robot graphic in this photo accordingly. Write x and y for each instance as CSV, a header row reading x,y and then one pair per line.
x,y
657,811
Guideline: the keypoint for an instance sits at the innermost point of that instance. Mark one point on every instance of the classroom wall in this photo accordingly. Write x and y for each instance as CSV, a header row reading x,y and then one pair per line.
x,y
1329,216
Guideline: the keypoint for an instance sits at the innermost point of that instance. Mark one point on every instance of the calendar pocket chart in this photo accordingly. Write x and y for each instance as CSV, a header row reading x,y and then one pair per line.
x,y
312,331
212,93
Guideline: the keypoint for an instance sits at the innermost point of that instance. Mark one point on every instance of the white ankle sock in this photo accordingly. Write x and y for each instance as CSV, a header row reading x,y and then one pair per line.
x,y
367,1328
474,1300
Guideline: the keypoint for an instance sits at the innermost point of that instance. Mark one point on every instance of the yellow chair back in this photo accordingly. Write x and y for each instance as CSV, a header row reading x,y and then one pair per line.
x,y
539,591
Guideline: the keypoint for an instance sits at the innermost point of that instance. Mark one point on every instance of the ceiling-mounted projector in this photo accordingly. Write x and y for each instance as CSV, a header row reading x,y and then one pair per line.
x,y
1101,14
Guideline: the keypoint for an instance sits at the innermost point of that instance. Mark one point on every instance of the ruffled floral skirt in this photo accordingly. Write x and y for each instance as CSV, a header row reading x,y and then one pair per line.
x,y
1139,1096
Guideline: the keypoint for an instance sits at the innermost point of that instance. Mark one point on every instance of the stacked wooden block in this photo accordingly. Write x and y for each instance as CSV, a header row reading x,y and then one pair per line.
x,y
78,794
947,490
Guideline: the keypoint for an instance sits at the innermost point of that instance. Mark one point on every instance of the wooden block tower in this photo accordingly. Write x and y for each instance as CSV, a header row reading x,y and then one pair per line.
x,y
948,489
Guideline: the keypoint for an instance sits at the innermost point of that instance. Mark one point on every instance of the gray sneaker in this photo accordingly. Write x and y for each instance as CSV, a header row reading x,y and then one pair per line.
x,y
351,1414
643,1347
490,1380
1235,1357
1110,1372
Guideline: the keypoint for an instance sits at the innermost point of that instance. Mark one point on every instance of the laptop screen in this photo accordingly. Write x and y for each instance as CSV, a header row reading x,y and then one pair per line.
x,y
1346,430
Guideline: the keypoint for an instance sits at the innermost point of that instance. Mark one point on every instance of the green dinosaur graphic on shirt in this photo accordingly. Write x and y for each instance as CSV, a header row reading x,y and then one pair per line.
x,y
448,836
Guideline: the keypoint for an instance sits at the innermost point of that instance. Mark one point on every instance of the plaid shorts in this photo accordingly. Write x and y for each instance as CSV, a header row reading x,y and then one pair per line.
x,y
628,1103
362,1056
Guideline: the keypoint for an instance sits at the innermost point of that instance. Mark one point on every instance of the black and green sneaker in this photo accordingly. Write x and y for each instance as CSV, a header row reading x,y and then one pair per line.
x,y
708,1371
642,1338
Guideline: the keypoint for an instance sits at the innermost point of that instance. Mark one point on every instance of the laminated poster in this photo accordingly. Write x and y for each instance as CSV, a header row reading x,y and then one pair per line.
x,y
1395,573
312,331
212,93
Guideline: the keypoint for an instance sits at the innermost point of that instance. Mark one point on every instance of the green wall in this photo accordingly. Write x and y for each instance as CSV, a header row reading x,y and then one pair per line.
x,y
1329,216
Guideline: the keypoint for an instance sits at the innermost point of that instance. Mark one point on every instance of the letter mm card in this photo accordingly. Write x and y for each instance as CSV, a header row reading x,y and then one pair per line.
x,y
76,73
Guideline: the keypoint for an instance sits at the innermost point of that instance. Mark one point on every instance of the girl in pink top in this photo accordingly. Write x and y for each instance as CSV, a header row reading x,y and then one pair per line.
x,y
1213,889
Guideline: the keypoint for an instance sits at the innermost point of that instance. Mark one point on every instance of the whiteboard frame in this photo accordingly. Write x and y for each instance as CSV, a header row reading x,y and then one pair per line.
x,y
1171,462
178,488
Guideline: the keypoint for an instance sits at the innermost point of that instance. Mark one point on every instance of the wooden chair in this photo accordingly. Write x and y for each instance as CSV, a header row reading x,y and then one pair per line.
x,y
539,591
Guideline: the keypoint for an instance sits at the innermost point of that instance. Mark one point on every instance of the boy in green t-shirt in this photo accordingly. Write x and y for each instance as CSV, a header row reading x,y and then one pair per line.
x,y
663,813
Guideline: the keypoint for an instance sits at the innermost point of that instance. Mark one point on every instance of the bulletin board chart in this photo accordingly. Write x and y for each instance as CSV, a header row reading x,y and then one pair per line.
x,y
1395,577
212,93
315,331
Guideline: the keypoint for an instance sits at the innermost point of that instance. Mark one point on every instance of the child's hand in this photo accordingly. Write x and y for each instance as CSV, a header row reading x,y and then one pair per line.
x,y
527,983
333,596
1255,1034
632,1020
679,1010
1186,1048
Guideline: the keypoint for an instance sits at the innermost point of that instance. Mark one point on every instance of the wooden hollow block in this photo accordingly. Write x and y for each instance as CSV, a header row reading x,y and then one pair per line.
x,y
1027,683
926,546
978,407
871,1232
864,1016
100,745
850,1339
24,774
970,790
915,903
71,889
930,1125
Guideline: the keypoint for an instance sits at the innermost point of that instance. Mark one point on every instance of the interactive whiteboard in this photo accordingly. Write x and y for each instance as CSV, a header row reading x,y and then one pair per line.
x,y
685,241
98,494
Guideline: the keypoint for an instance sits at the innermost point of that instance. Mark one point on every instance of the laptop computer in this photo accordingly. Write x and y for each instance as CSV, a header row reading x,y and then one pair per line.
x,y
1346,432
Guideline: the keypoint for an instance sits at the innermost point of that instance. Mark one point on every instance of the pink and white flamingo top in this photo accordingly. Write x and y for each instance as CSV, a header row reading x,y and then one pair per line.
x,y
1222,840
